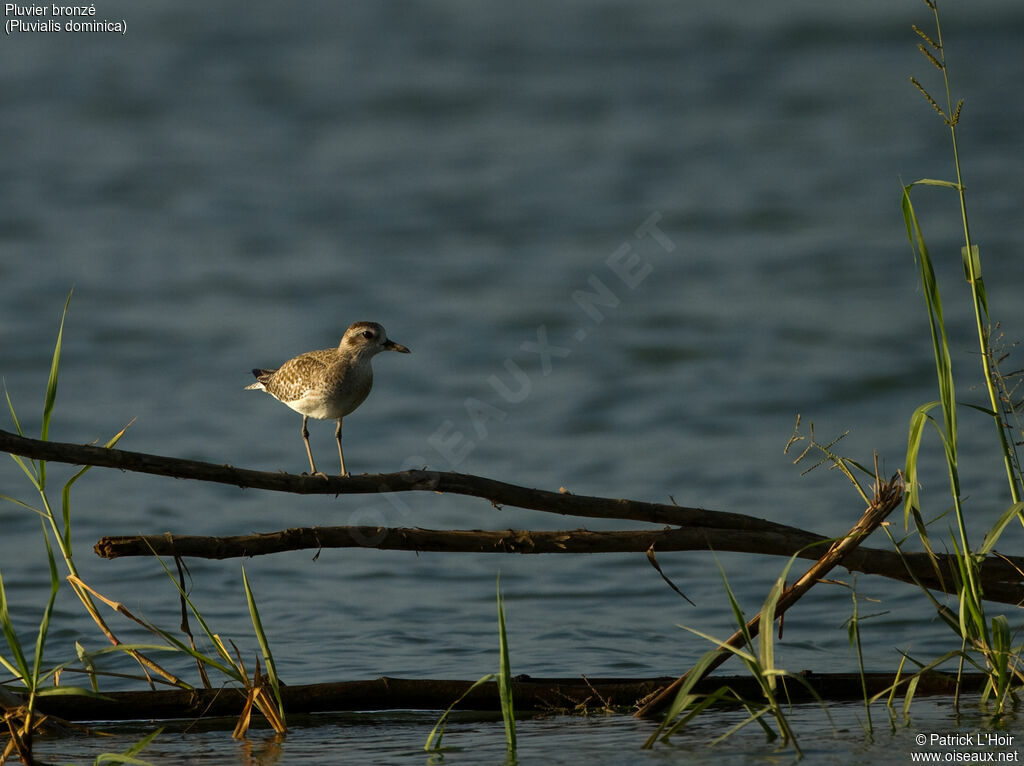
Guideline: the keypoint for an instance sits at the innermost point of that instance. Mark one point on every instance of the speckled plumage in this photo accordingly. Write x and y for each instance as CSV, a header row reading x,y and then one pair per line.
x,y
330,383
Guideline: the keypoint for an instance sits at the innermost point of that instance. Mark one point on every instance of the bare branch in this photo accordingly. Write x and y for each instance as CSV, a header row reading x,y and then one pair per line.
x,y
497,492
1002,578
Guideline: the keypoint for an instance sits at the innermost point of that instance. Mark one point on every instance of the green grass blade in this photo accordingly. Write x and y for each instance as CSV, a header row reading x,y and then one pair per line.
x,y
1002,647
505,678
85,659
261,636
44,623
226,667
934,182
142,743
51,384
51,391
433,742
695,705
18,666
32,476
810,689
214,639
908,697
993,535
23,504
14,415
766,634
737,613
755,717
971,259
683,697
723,646
918,421
933,299
693,675
9,667
65,494
121,758
128,756
31,473
71,691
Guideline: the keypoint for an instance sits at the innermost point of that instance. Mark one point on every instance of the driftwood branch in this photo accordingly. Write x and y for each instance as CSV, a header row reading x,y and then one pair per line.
x,y
499,493
1002,579
699,528
563,695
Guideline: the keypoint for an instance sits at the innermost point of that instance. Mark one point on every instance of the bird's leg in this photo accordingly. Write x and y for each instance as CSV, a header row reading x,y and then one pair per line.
x,y
309,452
341,456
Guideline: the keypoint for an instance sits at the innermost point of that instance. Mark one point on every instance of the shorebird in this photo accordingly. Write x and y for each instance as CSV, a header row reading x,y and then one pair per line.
x,y
328,384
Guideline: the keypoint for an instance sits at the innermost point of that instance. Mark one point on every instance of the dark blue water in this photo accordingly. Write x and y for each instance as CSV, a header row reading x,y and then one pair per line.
x,y
224,188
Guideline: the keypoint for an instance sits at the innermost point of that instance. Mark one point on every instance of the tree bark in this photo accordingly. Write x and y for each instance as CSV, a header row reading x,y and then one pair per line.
x,y
497,492
1001,578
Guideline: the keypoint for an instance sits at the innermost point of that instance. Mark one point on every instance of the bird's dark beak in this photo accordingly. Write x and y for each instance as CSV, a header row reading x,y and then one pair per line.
x,y
390,345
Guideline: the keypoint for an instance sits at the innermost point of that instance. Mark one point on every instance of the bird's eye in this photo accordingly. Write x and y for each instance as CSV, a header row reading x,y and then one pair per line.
x,y
368,334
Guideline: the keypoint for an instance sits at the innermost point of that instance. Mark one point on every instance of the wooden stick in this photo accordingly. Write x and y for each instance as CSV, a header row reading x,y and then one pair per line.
x,y
1001,578
887,497
497,492
447,541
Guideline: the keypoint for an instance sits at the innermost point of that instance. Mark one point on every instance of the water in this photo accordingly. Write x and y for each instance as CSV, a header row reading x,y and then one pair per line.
x,y
397,738
224,190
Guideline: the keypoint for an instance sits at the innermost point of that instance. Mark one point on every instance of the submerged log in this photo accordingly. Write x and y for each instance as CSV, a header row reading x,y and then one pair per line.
x,y
545,695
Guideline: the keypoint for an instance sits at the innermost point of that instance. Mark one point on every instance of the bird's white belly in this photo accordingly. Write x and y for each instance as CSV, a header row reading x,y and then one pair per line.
x,y
315,406
336,400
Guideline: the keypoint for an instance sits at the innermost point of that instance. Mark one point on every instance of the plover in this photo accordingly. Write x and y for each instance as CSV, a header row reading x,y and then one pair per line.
x,y
331,383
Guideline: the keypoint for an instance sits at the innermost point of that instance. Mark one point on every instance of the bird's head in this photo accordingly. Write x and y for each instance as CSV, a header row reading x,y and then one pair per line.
x,y
368,338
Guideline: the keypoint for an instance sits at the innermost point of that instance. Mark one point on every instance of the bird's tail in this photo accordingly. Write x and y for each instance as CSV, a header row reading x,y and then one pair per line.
x,y
260,374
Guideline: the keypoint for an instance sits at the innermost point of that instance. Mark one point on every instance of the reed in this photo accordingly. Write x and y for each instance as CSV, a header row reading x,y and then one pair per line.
x,y
28,667
37,679
853,634
505,680
985,641
760,663
268,657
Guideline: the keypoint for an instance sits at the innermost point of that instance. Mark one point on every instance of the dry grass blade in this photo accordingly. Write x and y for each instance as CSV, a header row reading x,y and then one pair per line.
x,y
245,718
651,557
81,589
258,695
204,677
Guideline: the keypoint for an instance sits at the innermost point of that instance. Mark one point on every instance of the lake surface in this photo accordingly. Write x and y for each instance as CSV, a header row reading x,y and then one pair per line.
x,y
225,188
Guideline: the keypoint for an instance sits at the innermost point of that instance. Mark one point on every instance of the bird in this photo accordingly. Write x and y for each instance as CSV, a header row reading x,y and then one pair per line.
x,y
330,383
